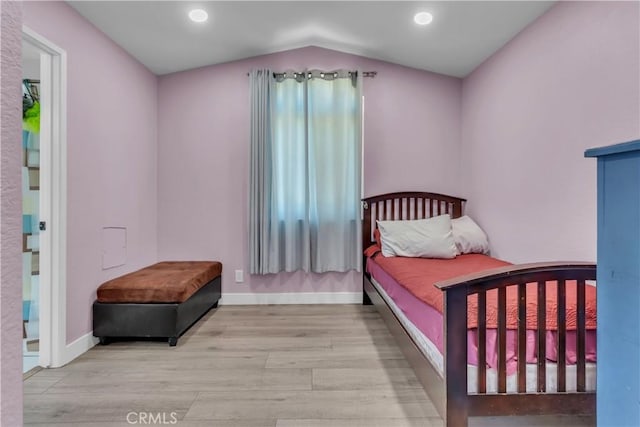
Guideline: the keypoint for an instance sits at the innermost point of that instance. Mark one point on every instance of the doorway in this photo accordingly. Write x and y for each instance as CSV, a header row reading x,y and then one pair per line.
x,y
44,201
30,206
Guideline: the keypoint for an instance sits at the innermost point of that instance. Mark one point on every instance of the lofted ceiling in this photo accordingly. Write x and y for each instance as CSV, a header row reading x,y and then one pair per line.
x,y
462,35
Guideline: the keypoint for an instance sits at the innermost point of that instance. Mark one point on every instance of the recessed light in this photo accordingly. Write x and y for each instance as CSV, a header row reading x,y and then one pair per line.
x,y
198,15
423,18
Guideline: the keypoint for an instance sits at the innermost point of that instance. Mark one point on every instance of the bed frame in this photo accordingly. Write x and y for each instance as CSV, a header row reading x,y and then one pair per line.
x,y
449,394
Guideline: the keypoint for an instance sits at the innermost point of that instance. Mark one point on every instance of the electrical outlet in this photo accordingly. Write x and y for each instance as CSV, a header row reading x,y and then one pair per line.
x,y
239,276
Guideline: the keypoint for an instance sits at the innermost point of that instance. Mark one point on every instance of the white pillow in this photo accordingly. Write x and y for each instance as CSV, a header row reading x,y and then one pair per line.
x,y
428,238
468,236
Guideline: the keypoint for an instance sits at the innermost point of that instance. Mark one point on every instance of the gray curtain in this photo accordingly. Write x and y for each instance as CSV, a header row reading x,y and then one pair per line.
x,y
305,171
260,87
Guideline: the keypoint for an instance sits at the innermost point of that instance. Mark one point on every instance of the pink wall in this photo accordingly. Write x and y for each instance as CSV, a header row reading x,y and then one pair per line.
x,y
412,139
10,214
111,156
568,82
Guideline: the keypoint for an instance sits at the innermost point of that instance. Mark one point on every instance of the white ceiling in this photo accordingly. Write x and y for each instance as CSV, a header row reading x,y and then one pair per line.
x,y
462,35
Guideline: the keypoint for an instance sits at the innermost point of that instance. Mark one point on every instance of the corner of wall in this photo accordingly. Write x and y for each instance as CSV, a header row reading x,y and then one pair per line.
x,y
531,109
10,214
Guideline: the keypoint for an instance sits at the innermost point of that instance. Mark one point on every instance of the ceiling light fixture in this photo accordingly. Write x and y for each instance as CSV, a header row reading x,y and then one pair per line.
x,y
198,15
423,18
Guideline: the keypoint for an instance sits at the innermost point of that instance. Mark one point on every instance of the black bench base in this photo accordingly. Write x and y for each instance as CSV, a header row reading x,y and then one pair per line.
x,y
154,320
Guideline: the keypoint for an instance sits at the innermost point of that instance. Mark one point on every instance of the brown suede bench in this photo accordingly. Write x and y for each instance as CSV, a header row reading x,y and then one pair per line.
x,y
159,301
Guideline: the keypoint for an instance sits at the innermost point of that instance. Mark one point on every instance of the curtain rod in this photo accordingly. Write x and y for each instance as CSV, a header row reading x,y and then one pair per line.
x,y
364,74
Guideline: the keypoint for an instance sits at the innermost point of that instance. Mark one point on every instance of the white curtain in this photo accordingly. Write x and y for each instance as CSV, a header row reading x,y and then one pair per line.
x,y
313,211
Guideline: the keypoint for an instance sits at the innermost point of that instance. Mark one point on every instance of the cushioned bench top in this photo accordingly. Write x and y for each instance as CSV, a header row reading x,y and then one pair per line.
x,y
164,282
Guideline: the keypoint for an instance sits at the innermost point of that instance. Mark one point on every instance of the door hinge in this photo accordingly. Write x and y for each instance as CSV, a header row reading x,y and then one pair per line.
x,y
42,226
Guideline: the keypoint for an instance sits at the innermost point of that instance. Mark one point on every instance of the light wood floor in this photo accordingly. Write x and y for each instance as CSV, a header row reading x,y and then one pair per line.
x,y
249,366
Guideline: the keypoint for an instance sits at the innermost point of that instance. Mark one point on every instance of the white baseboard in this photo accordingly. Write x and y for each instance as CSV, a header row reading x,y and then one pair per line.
x,y
292,298
77,348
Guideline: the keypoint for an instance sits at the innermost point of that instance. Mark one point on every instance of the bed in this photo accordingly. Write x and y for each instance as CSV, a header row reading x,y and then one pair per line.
x,y
487,365
162,300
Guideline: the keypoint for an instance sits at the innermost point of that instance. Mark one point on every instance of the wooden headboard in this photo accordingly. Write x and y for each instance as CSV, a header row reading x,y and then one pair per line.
x,y
406,205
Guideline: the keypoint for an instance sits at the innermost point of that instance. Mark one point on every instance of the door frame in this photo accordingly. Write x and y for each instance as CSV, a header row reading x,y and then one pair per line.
x,y
53,198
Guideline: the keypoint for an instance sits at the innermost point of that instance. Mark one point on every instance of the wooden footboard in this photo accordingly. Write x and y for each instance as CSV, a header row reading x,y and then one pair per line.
x,y
459,404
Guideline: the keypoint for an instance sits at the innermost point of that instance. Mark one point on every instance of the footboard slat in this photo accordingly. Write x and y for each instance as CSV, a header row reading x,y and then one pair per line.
x,y
522,338
482,342
562,336
542,337
502,340
581,343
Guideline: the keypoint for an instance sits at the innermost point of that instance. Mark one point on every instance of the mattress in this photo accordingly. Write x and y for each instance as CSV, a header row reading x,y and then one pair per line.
x,y
164,282
425,325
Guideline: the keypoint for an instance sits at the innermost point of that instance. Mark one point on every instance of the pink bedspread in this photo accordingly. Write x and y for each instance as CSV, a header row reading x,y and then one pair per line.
x,y
430,322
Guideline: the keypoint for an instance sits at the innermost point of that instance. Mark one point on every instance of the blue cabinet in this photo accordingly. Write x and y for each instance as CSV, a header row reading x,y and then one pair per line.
x,y
618,366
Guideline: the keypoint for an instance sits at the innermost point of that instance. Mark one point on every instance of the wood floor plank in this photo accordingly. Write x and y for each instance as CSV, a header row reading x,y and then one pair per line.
x,y
374,404
367,320
184,380
256,343
366,340
147,361
154,353
303,331
39,385
364,379
336,358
